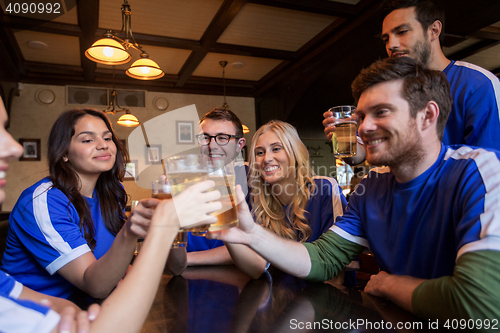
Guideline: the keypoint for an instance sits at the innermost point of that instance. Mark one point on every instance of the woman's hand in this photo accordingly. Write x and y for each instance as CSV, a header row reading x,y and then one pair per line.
x,y
140,218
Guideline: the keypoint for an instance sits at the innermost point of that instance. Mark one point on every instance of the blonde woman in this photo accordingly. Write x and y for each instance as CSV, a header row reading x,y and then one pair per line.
x,y
286,196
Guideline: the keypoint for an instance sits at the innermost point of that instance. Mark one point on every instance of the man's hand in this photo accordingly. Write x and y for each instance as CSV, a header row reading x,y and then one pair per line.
x,y
140,218
398,288
328,124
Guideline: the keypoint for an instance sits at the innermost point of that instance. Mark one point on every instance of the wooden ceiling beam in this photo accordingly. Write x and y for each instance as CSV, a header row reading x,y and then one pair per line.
x,y
227,12
335,32
162,41
12,58
251,51
23,23
88,21
487,33
473,49
126,83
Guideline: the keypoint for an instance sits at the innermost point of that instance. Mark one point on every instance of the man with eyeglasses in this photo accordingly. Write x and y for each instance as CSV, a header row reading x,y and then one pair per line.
x,y
221,138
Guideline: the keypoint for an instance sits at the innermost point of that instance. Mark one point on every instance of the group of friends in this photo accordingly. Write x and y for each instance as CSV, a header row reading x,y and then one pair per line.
x,y
430,214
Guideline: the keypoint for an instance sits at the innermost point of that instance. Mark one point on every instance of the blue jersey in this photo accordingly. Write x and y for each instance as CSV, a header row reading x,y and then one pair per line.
x,y
421,227
44,235
324,205
475,118
26,316
9,287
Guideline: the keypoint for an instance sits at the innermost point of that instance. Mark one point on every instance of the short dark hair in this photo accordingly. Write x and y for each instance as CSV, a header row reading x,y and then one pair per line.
x,y
420,85
427,12
221,114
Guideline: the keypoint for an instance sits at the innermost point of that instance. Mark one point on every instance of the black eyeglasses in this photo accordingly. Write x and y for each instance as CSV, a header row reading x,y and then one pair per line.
x,y
220,139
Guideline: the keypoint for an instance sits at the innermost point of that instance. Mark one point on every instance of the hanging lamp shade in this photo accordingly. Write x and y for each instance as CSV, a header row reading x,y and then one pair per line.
x,y
145,69
245,129
128,120
108,51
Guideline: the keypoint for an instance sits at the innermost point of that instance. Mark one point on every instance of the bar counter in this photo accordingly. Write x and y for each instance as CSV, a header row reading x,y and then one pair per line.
x,y
222,299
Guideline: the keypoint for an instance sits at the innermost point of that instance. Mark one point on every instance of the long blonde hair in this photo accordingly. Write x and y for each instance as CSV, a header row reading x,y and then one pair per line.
x,y
266,207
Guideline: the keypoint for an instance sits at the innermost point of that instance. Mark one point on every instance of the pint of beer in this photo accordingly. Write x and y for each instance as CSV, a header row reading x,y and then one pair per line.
x,y
161,190
186,170
224,178
344,138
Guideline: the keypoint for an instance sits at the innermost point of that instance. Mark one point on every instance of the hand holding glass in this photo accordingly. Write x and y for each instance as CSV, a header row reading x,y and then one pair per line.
x,y
186,170
344,137
161,190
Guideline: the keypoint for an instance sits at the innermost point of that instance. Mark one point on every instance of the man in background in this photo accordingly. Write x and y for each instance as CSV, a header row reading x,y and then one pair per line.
x,y
415,28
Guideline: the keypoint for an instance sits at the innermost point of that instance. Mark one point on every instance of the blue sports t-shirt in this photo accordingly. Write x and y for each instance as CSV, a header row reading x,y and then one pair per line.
x,y
421,227
26,316
324,205
44,235
9,287
475,117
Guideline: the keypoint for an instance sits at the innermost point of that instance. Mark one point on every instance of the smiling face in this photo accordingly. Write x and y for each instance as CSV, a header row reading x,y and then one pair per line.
x,y
92,150
227,152
403,36
272,160
9,149
390,134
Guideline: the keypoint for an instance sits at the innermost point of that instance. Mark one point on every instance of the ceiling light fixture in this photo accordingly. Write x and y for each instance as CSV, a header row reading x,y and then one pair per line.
x,y
112,50
128,119
223,64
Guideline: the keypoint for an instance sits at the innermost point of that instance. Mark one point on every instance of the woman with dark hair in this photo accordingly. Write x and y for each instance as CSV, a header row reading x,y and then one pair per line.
x,y
69,231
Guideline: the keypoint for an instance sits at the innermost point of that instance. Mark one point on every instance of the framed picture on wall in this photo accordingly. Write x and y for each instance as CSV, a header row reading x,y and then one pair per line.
x,y
184,132
32,151
153,154
131,170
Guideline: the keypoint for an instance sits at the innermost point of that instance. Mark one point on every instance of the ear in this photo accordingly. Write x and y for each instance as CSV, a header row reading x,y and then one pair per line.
x,y
429,115
65,159
435,30
241,143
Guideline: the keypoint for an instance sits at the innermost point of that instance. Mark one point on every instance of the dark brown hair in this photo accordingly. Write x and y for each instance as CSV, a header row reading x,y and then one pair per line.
x,y
420,85
221,114
110,192
427,12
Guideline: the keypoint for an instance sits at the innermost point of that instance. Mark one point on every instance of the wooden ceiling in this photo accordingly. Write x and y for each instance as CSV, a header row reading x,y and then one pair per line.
x,y
308,42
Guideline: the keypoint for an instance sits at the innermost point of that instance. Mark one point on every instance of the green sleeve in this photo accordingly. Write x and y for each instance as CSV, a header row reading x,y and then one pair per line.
x,y
472,292
329,255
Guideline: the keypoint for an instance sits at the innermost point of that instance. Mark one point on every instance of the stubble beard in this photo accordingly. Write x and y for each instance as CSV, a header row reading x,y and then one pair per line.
x,y
406,152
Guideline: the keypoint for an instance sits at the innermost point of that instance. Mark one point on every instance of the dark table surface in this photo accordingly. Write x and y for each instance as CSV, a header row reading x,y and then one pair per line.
x,y
222,299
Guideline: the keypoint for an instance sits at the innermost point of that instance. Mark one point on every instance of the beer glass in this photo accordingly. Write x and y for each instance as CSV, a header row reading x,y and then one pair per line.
x,y
224,177
161,190
344,136
186,170
138,245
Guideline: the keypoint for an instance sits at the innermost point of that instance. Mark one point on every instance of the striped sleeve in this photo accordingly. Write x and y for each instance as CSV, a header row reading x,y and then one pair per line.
x,y
49,229
19,316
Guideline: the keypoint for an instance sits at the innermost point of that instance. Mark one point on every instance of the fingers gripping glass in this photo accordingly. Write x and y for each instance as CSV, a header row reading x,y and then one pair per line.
x,y
220,139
